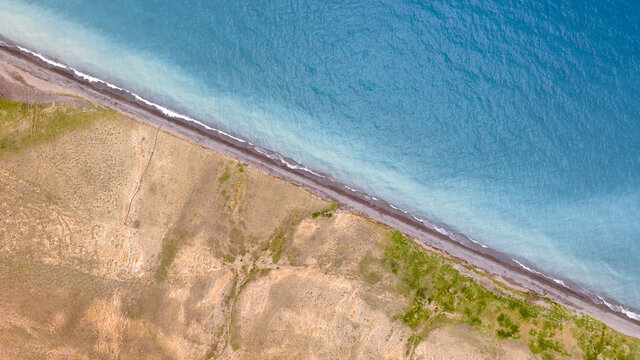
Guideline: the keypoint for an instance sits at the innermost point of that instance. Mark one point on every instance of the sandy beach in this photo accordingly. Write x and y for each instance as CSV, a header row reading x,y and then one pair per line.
x,y
486,260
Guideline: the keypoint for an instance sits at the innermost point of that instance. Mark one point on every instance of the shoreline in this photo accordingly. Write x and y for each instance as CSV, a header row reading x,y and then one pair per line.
x,y
493,263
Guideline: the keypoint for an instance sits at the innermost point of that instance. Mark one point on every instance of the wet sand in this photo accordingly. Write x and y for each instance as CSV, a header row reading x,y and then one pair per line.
x,y
455,245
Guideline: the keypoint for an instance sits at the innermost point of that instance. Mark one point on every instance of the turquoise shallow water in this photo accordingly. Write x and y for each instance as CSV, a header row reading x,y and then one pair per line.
x,y
516,123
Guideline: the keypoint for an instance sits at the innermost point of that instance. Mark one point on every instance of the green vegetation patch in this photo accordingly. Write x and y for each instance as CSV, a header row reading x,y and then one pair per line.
x,y
416,314
597,341
508,329
544,338
326,212
280,242
277,247
224,177
437,291
25,125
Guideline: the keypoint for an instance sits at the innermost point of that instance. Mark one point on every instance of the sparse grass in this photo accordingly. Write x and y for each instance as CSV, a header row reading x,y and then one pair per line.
x,y
237,242
367,270
170,246
224,177
277,247
25,125
254,273
283,235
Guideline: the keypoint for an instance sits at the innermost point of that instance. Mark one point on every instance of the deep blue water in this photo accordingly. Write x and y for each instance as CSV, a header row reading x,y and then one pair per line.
x,y
514,122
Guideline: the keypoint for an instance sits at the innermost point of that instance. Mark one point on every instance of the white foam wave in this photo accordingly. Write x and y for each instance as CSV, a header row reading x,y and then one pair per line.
x,y
280,158
526,267
618,308
441,231
475,242
418,219
557,281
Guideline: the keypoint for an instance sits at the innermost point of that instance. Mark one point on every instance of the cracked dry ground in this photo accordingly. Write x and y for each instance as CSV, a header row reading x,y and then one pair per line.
x,y
119,241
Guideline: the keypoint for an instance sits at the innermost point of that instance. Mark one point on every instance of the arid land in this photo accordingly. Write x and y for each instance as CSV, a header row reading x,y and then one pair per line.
x,y
123,239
